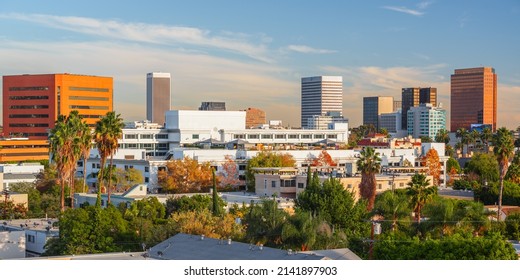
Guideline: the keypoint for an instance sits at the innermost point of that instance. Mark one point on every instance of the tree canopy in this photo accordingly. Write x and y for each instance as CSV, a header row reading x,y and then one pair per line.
x,y
266,159
185,176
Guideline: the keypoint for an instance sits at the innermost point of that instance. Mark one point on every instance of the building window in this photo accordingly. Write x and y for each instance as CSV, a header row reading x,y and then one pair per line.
x,y
241,167
265,184
349,186
146,169
319,136
279,136
273,184
401,184
306,136
30,238
300,185
267,136
130,136
146,136
161,136
252,136
380,186
239,136
195,136
146,179
293,136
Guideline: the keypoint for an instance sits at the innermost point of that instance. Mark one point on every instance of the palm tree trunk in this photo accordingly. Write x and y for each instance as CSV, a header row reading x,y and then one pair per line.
x,y
100,182
109,183
62,198
499,212
85,174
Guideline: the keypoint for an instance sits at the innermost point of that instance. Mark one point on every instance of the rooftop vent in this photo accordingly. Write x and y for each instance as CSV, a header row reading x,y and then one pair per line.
x,y
229,241
261,247
202,237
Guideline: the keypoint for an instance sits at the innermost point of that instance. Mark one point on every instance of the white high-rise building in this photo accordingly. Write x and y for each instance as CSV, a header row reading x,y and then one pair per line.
x,y
158,96
320,95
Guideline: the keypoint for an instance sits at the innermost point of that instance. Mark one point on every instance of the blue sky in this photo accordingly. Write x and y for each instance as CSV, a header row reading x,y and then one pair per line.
x,y
253,54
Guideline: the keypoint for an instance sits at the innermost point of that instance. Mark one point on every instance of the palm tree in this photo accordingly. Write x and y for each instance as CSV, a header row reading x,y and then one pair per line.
x,y
64,148
463,135
107,133
369,164
486,136
392,204
85,143
443,136
474,136
503,148
420,193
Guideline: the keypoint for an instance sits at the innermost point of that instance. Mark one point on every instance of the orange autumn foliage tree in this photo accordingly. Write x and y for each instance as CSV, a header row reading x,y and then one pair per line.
x,y
185,176
431,160
229,174
324,159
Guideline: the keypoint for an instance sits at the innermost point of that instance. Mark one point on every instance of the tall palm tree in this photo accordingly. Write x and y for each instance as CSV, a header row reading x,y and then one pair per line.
x,y
474,136
503,147
369,164
76,124
420,193
486,136
107,133
463,136
85,143
63,142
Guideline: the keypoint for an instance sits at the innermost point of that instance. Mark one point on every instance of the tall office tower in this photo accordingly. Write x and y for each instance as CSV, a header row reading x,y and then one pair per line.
x,y
374,106
32,103
212,106
412,97
158,96
254,117
320,95
426,120
473,98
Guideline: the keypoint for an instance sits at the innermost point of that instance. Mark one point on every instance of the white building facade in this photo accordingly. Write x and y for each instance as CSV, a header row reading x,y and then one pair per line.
x,y
319,95
426,120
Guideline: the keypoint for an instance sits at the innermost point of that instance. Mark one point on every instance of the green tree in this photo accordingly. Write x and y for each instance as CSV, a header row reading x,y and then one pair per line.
x,y
420,193
266,159
503,149
443,136
397,246
334,204
195,203
464,139
33,198
369,164
453,163
486,135
64,149
264,223
89,230
513,226
485,166
109,130
513,172
392,205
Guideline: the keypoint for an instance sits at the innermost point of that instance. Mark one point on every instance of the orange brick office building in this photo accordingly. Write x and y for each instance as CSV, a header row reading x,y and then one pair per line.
x,y
32,103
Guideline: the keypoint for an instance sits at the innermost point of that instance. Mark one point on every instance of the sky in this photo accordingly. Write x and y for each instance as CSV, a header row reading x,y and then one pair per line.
x,y
254,53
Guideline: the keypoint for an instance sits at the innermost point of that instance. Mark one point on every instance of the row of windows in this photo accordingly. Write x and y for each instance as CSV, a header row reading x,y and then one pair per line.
x,y
28,88
89,89
87,107
75,97
37,97
28,125
91,116
290,136
29,107
23,116
146,136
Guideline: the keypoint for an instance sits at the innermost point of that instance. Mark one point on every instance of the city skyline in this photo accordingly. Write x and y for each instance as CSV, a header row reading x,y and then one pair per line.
x,y
251,55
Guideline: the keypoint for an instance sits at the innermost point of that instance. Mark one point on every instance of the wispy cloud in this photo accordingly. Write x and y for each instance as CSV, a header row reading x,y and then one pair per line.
x,y
152,33
424,5
404,10
307,49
